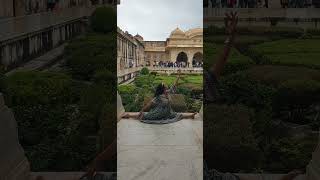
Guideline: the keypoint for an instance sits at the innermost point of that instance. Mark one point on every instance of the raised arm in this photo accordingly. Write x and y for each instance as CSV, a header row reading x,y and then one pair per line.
x,y
231,24
147,106
178,78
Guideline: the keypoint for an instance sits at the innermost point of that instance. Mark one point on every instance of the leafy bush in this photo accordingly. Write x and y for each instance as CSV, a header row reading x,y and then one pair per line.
x,y
145,81
105,77
88,54
295,97
302,52
144,71
104,20
34,88
276,75
228,138
239,88
48,136
285,154
154,73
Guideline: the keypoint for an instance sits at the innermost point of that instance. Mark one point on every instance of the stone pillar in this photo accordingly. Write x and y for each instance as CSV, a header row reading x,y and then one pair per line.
x,y
20,6
190,57
120,108
13,163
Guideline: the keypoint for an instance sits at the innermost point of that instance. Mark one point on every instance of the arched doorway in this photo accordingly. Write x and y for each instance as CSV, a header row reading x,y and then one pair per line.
x,y
182,57
197,60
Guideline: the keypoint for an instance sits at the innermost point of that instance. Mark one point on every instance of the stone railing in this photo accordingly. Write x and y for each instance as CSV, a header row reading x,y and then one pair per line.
x,y
170,70
18,26
27,37
128,74
13,163
305,13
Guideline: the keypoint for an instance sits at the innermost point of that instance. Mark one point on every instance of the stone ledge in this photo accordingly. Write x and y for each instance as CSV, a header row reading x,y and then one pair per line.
x,y
68,175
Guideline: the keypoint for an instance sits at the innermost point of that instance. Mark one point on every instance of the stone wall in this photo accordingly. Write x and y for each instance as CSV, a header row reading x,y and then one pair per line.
x,y
23,48
15,8
13,163
120,108
26,37
6,8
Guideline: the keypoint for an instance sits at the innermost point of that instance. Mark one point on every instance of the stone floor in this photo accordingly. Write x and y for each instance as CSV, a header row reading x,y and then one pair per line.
x,y
160,152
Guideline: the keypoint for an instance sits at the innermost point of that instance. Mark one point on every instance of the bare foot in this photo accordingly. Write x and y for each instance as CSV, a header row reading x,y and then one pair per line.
x,y
125,116
193,115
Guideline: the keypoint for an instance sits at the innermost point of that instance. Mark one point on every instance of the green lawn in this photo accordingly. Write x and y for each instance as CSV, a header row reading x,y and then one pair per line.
x,y
194,81
134,94
291,52
236,60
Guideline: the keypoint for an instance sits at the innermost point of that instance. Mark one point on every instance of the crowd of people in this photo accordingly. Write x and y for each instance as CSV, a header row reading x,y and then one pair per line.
x,y
37,6
168,64
258,3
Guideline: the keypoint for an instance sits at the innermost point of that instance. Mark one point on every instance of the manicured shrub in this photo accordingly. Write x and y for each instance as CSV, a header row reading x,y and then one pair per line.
x,y
104,20
239,88
144,71
295,97
285,154
228,138
45,108
105,77
275,75
88,54
289,52
144,81
35,88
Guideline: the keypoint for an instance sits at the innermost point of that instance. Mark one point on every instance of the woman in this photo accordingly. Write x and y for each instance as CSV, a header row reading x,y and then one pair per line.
x,y
160,109
211,79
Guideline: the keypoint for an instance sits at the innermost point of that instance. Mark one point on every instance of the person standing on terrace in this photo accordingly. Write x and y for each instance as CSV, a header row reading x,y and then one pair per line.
x,y
211,77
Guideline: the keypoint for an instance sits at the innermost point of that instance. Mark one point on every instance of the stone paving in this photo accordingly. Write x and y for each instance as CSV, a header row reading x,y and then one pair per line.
x,y
160,152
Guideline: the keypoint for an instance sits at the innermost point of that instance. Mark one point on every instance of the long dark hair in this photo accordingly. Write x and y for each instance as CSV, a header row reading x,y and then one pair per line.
x,y
160,89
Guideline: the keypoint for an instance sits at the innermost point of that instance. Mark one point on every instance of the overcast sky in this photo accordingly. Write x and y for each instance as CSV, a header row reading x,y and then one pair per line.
x,y
155,19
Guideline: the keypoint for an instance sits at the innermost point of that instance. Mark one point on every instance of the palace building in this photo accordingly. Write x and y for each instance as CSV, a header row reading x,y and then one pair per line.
x,y
179,47
134,52
130,56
